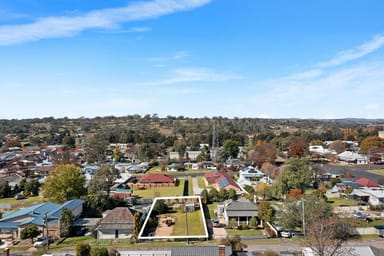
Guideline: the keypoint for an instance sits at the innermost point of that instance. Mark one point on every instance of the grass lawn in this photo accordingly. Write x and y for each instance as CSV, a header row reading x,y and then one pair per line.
x,y
378,172
201,183
359,223
338,201
212,207
190,187
161,192
195,224
22,203
247,232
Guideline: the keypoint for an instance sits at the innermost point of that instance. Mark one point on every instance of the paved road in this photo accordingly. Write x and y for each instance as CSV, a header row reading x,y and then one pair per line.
x,y
357,170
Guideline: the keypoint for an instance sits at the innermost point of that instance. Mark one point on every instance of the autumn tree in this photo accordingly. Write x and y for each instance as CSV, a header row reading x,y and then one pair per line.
x,y
263,152
65,183
371,142
265,211
298,147
324,232
296,174
338,146
316,143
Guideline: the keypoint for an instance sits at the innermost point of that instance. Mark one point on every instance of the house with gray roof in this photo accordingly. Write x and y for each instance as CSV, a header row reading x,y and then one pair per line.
x,y
116,223
241,210
40,215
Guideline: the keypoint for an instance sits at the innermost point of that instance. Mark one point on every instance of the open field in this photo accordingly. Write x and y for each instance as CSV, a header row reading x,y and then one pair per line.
x,y
161,191
338,201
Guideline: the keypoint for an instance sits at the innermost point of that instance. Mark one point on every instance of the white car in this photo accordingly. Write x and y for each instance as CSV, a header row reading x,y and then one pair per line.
x,y
42,241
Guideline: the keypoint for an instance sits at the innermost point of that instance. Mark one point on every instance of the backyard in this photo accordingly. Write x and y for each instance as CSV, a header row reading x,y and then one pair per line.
x,y
161,191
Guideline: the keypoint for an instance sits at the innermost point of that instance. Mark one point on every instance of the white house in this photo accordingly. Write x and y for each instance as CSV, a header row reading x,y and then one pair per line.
x,y
250,173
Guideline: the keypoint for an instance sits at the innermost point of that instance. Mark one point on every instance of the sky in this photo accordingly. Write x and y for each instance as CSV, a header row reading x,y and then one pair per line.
x,y
192,58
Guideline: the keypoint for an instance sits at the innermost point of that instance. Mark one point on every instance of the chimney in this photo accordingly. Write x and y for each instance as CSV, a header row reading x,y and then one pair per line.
x,y
221,250
6,252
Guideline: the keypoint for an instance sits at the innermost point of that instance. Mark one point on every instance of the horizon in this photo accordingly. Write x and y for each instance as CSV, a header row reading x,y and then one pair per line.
x,y
192,58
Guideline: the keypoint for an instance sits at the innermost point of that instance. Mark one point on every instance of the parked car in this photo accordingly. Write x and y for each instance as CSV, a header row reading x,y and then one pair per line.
x,y
215,223
360,215
42,241
287,233
19,196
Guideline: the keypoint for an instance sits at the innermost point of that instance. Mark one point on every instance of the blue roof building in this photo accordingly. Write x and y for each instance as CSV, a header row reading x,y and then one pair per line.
x,y
15,221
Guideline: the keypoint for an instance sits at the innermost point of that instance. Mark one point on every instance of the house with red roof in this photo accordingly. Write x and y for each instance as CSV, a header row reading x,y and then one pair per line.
x,y
220,180
365,182
155,180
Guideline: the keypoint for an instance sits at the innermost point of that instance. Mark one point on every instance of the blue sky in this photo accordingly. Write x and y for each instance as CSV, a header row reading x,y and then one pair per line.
x,y
196,58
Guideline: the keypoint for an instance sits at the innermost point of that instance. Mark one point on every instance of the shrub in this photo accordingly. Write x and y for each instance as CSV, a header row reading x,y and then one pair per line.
x,y
83,249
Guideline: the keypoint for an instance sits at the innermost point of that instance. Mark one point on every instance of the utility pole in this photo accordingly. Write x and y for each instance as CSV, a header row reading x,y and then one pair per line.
x,y
46,230
186,222
302,205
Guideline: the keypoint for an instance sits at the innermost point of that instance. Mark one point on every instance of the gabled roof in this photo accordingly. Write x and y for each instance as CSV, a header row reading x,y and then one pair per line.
x,y
365,182
222,179
240,205
32,211
157,178
118,218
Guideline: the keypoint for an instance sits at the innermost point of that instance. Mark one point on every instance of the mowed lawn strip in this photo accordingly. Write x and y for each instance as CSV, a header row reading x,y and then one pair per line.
x,y
201,183
378,172
161,191
195,224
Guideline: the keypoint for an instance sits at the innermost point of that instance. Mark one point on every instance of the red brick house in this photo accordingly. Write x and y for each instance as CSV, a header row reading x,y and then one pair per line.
x,y
155,180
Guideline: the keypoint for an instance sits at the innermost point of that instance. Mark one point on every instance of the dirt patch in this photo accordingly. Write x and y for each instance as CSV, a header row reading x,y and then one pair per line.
x,y
165,226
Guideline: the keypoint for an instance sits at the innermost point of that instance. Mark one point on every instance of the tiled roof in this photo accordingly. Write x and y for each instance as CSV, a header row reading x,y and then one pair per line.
x,y
365,182
222,179
157,178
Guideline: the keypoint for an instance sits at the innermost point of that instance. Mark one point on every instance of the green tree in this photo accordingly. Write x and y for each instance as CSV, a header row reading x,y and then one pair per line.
x,y
232,194
99,187
65,183
30,231
223,194
96,150
214,195
96,251
296,174
69,141
160,207
253,222
83,249
5,189
235,243
66,223
230,149
204,195
137,224
32,187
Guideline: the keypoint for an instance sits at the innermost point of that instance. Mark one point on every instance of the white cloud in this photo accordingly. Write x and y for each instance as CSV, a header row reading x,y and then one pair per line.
x,y
181,55
65,26
360,51
185,75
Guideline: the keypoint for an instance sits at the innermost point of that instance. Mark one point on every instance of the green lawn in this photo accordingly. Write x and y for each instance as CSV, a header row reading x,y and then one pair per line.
x,y
161,191
338,201
378,172
201,183
359,223
190,187
22,203
212,207
247,232
195,224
